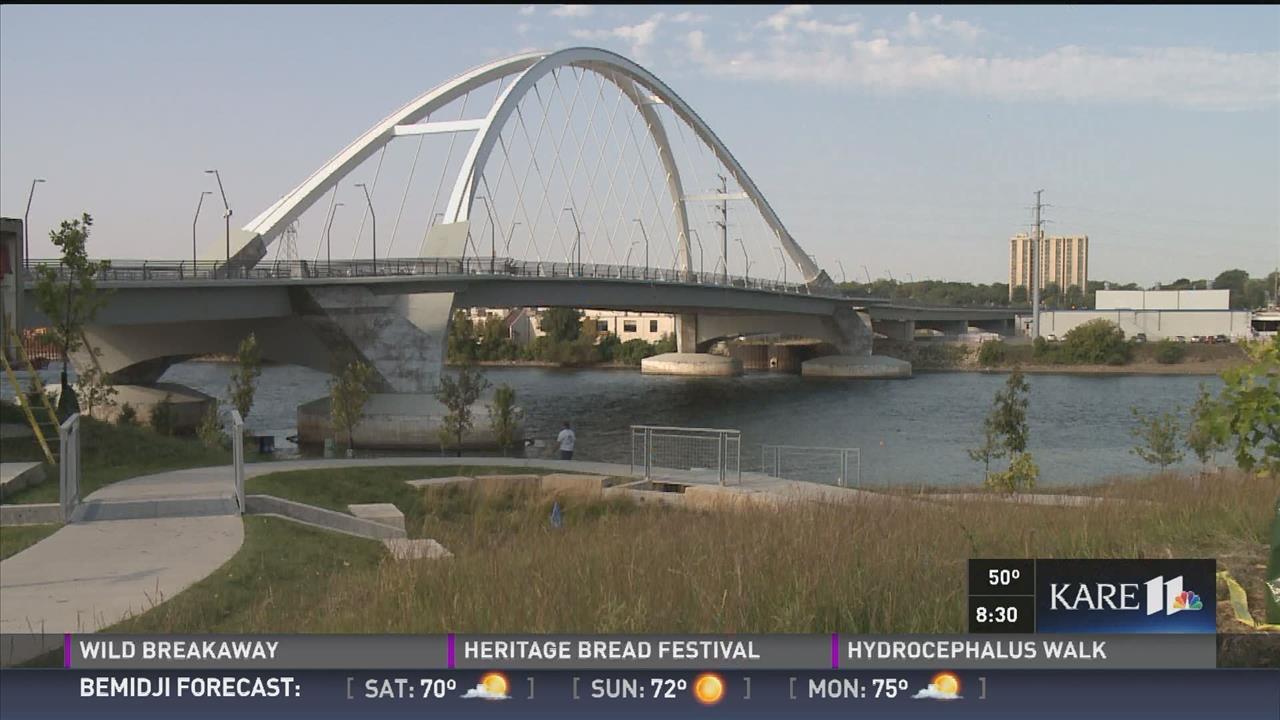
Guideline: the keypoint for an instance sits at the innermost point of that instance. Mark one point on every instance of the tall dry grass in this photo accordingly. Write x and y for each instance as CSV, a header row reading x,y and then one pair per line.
x,y
619,567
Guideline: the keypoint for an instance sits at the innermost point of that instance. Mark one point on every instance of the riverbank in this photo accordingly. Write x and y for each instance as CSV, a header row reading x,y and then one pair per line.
x,y
928,356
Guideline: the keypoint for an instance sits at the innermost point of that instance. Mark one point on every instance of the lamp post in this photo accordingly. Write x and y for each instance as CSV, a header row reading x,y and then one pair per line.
x,y
374,218
193,230
645,235
510,234
226,213
746,260
328,239
577,245
701,265
26,237
630,247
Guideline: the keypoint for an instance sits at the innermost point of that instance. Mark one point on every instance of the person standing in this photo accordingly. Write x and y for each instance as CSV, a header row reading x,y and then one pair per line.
x,y
567,439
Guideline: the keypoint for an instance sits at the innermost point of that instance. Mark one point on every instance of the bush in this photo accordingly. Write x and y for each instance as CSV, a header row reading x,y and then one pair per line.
x,y
1096,342
162,416
1169,352
992,352
128,416
210,428
1021,475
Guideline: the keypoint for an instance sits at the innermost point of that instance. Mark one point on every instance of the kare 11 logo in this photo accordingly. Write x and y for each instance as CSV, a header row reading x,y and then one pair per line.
x,y
1126,596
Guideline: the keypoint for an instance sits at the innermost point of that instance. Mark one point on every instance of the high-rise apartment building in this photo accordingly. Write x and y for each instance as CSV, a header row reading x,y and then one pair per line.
x,y
1062,260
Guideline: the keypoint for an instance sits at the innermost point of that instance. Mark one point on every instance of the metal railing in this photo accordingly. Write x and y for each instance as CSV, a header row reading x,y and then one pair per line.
x,y
693,454
69,466
812,464
237,455
183,270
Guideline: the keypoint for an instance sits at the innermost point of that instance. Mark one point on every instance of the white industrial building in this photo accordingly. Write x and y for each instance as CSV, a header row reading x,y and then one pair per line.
x,y
1157,313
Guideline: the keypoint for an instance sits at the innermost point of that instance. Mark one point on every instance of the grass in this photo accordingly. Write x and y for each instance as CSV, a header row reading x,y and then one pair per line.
x,y
619,567
110,453
15,539
336,489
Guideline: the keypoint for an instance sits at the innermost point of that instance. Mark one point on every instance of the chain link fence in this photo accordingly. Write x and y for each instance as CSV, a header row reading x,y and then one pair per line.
x,y
826,465
694,454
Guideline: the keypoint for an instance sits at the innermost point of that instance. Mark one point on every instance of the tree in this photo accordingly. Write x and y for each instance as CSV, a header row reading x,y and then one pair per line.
x,y
1096,342
94,387
462,338
348,393
1235,281
990,449
210,429
1200,436
458,396
1157,437
504,417
244,381
561,324
1022,474
1019,296
1009,414
1246,413
69,297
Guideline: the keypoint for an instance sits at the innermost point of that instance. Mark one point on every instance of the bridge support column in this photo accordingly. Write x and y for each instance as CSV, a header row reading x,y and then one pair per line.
x,y
686,333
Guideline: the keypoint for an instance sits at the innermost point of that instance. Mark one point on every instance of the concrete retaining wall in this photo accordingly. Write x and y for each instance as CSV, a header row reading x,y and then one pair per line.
x,y
33,514
320,517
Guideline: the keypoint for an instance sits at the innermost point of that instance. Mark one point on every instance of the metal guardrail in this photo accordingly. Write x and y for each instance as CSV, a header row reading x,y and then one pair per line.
x,y
695,454
69,466
812,464
183,270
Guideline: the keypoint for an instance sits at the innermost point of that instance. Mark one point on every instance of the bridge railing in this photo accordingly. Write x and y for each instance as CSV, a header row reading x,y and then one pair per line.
x,y
183,270
692,454
827,465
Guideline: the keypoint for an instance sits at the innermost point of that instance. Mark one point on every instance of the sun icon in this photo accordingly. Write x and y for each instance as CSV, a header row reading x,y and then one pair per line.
x,y
495,682
946,683
708,688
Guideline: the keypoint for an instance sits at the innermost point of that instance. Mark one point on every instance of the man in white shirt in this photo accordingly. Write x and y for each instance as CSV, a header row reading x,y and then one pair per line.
x,y
566,438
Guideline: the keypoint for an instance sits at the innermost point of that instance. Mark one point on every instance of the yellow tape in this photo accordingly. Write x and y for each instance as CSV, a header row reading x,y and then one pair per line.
x,y
1240,603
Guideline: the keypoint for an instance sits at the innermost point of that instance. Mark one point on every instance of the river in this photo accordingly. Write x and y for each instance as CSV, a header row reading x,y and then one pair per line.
x,y
909,431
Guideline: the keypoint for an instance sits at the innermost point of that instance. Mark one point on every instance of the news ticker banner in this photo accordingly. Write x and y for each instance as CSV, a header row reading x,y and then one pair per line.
x,y
1092,596
639,652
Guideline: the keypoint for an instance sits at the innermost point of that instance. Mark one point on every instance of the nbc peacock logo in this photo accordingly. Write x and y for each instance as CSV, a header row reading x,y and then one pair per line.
x,y
1187,600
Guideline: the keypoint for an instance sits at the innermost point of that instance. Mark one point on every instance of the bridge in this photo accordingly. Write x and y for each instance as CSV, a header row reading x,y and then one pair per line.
x,y
534,180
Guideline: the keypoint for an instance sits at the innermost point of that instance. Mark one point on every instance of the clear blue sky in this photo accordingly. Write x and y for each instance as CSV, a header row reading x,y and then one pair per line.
x,y
906,139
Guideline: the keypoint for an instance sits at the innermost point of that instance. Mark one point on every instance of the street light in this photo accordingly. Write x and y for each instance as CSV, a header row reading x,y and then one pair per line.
x,y
631,247
746,261
510,234
645,235
493,246
226,213
701,266
577,245
26,238
374,218
193,230
328,239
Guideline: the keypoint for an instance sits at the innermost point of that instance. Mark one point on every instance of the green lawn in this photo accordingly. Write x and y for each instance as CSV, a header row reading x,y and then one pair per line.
x,y
15,539
337,488
110,453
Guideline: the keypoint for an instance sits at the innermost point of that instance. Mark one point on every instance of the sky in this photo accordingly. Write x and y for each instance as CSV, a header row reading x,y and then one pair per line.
x,y
903,140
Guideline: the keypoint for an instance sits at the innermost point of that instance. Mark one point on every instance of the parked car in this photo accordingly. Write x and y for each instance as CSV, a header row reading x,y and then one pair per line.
x,y
1222,339
1051,338
1181,338
1140,338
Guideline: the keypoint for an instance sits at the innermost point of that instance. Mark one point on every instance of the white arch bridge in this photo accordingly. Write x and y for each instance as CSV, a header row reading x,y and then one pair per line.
x,y
573,178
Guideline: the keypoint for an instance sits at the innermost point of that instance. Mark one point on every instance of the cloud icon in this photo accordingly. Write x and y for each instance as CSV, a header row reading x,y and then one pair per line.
x,y
933,693
480,691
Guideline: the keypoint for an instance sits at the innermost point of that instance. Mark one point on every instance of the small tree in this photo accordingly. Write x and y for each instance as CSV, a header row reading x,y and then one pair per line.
x,y
458,395
69,297
1246,414
348,393
128,416
94,387
561,324
1157,437
1022,474
244,381
210,429
504,417
1201,438
162,416
990,449
1009,415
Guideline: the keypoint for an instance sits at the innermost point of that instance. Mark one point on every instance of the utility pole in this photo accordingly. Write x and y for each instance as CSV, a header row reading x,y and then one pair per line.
x,y
1036,239
723,222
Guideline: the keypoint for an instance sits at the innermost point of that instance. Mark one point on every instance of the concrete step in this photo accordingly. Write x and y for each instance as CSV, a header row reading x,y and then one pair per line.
x,y
99,510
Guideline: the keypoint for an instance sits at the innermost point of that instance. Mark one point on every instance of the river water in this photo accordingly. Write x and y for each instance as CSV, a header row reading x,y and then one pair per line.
x,y
909,431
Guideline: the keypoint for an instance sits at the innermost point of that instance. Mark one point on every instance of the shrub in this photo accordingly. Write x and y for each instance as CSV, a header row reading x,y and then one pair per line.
x,y
128,416
1169,352
1157,438
992,352
210,429
162,416
1021,475
504,417
1096,342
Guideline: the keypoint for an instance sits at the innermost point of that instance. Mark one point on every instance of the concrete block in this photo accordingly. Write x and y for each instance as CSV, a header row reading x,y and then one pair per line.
x,y
416,549
566,483
385,513
31,514
459,480
491,483
849,366
702,364
16,476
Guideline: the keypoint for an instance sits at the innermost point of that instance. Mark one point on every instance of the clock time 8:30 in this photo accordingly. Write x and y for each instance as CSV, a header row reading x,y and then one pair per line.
x,y
997,614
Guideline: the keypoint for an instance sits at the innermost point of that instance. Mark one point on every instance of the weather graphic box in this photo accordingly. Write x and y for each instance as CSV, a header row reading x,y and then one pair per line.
x,y
1125,596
